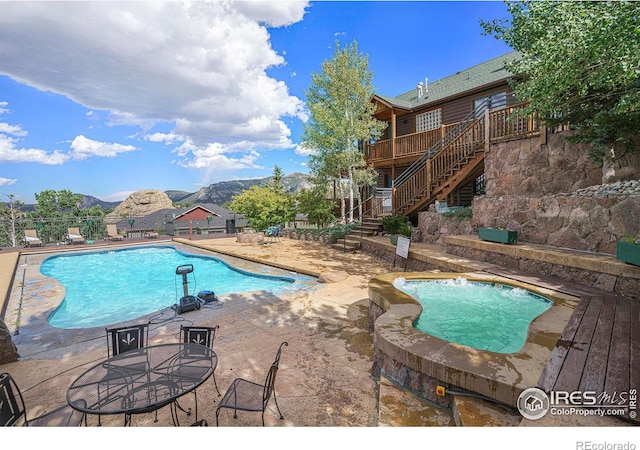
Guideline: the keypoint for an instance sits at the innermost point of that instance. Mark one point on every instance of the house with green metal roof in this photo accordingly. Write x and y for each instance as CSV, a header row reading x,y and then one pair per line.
x,y
436,136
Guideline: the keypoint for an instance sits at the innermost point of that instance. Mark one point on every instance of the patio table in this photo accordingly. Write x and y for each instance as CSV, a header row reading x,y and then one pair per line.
x,y
143,380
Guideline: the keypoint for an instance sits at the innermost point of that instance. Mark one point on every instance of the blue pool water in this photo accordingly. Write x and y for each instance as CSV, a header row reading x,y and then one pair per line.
x,y
107,287
486,316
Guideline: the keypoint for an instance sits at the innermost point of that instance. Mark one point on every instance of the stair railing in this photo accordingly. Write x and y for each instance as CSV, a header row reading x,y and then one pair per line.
x,y
419,166
449,137
377,207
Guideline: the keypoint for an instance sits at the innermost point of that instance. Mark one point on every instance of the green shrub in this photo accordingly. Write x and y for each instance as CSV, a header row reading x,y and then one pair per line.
x,y
405,230
459,214
392,224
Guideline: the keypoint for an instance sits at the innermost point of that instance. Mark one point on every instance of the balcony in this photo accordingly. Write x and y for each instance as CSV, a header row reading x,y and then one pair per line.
x,y
505,123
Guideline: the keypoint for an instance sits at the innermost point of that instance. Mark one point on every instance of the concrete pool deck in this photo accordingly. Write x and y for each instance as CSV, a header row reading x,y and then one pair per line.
x,y
325,377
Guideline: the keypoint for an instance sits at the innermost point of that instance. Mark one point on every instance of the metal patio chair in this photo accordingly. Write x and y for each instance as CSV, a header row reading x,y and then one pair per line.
x,y
121,340
200,335
197,335
273,235
14,411
245,395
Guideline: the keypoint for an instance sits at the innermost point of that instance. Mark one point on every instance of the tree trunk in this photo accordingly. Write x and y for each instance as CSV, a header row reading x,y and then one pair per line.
x,y
619,164
351,194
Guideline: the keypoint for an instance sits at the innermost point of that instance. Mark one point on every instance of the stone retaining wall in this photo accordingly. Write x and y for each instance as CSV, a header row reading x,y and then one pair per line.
x,y
530,168
550,193
434,227
570,221
312,236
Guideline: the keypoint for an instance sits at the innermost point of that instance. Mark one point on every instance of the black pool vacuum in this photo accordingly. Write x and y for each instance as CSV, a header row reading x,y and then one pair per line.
x,y
187,302
191,302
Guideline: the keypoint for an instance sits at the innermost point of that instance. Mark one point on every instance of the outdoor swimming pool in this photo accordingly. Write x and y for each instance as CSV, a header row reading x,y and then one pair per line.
x,y
106,287
486,316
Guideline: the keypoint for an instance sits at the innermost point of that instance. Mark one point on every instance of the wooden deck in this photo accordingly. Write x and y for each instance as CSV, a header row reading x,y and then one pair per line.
x,y
599,351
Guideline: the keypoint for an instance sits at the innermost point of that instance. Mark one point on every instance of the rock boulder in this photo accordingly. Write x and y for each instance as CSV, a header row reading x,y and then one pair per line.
x,y
141,203
333,276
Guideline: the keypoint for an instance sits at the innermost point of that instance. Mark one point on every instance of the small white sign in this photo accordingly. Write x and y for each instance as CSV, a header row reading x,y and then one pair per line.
x,y
402,248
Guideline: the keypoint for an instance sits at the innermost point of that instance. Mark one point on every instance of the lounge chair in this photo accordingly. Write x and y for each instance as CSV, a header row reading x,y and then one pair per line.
x,y
151,234
31,239
74,236
112,233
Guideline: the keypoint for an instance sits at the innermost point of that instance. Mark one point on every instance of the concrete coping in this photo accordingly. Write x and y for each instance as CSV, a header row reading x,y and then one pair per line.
x,y
495,375
596,262
8,263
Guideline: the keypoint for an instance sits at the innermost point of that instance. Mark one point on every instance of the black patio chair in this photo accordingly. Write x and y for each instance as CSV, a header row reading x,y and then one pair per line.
x,y
125,339
195,335
245,395
200,335
14,411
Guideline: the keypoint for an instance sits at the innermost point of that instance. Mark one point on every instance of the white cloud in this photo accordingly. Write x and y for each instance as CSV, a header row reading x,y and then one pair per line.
x,y
9,153
167,138
302,150
84,148
201,65
3,107
217,157
15,130
116,196
7,181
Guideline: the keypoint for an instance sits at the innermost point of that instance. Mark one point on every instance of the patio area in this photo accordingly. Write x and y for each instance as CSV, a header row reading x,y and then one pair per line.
x,y
325,377
325,372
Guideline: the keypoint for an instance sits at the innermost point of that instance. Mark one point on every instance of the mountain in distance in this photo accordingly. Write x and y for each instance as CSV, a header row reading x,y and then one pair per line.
x,y
216,193
86,202
222,192
89,201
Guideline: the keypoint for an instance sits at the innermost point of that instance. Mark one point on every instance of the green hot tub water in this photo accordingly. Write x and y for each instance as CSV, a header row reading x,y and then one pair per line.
x,y
485,316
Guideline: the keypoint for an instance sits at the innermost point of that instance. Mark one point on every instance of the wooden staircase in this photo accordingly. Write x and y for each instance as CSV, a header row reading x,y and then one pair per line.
x,y
351,242
456,160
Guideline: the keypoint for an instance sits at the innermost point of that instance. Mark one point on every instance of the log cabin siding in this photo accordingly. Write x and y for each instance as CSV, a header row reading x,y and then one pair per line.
x,y
406,124
453,110
456,110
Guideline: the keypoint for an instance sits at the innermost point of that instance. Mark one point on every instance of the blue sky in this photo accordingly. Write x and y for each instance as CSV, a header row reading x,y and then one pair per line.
x,y
106,98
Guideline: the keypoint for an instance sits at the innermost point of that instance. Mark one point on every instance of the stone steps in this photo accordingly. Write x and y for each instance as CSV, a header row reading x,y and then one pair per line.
x,y
351,242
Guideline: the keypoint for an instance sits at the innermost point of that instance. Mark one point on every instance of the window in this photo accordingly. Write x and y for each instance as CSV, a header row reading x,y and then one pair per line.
x,y
493,101
428,121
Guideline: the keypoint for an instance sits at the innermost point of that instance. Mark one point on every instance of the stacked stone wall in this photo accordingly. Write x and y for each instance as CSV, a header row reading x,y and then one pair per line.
x,y
550,193
530,168
570,221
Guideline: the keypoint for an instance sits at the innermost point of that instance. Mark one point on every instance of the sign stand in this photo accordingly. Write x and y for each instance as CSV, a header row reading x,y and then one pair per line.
x,y
402,250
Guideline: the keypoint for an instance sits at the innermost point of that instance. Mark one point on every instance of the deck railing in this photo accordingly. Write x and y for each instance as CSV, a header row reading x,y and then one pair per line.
x,y
504,123
509,122
441,152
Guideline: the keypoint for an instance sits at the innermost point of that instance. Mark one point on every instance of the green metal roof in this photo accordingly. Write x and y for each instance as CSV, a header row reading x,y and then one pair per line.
x,y
465,80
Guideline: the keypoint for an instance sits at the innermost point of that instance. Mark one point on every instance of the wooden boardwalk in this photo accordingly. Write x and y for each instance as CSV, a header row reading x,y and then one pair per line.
x,y
599,351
